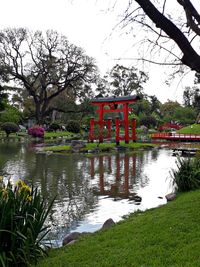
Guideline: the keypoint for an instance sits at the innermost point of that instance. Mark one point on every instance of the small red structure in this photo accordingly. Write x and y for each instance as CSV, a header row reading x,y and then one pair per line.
x,y
110,105
170,125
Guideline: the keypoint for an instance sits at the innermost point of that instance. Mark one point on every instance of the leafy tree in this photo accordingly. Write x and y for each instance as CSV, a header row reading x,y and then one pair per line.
x,y
187,96
169,27
184,115
3,99
65,108
148,121
167,110
10,114
191,97
197,93
21,100
103,87
45,65
142,106
155,104
126,81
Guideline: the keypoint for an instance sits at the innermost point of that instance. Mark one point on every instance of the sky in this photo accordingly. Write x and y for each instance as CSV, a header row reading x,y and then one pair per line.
x,y
91,24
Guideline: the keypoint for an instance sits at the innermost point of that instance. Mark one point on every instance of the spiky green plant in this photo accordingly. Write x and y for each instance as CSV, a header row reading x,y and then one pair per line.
x,y
23,212
187,175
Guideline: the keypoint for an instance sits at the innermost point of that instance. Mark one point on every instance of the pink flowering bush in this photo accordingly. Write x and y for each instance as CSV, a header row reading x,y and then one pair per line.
x,y
36,131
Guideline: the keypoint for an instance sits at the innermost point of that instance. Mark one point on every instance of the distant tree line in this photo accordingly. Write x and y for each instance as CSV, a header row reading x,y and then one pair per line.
x,y
55,81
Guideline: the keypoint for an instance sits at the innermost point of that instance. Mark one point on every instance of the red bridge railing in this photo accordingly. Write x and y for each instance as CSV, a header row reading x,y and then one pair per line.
x,y
176,136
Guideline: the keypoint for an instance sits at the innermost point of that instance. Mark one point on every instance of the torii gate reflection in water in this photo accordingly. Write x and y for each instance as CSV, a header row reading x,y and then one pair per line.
x,y
110,105
124,170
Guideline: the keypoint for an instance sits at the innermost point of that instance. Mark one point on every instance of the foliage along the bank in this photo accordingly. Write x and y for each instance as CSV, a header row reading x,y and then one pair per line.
x,y
187,175
23,212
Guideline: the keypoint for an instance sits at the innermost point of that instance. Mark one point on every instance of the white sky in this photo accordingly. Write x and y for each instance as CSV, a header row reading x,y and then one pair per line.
x,y
87,24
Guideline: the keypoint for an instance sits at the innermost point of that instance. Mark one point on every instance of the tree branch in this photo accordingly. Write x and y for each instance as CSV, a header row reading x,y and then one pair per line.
x,y
190,56
192,16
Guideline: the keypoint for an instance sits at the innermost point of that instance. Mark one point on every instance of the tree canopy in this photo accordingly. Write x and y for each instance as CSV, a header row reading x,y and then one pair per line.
x,y
45,65
3,99
126,81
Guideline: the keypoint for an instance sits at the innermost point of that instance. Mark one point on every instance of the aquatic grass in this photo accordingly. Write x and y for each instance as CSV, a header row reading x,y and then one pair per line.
x,y
57,148
187,175
102,147
165,236
23,212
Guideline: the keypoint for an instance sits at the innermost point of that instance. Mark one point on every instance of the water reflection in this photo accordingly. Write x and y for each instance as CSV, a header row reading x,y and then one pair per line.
x,y
89,190
118,175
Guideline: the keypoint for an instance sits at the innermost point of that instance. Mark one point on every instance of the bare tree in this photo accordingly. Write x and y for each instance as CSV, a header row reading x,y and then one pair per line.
x,y
166,26
45,65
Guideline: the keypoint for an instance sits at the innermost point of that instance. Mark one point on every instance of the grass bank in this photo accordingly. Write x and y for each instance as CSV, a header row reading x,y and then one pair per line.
x,y
161,237
192,129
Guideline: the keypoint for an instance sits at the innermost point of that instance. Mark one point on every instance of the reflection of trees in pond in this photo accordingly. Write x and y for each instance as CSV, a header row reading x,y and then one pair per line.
x,y
154,154
11,151
62,175
143,159
69,211
66,178
72,178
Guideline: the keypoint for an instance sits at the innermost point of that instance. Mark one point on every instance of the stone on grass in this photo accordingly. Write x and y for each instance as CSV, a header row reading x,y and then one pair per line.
x,y
77,145
108,223
74,236
70,237
170,196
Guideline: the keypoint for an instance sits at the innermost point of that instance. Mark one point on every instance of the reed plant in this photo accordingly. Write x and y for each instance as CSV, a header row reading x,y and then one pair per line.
x,y
187,175
23,212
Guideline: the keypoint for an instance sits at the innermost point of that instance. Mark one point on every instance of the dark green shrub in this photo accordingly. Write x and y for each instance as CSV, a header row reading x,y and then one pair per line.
x,y
22,216
9,127
54,127
187,175
73,126
148,121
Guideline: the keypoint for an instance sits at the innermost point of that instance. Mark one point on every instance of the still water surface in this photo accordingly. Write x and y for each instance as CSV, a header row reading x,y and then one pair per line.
x,y
90,189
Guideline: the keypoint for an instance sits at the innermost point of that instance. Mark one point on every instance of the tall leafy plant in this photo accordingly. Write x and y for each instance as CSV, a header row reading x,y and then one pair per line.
x,y
23,212
187,175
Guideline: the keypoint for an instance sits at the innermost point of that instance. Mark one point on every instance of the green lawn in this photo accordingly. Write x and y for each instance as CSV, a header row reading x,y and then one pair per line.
x,y
49,135
192,129
168,236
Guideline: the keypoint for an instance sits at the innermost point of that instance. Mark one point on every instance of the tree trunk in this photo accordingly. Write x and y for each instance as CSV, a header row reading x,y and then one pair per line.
x,y
198,119
38,114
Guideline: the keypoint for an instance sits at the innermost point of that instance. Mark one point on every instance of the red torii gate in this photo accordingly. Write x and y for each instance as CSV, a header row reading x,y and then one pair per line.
x,y
110,105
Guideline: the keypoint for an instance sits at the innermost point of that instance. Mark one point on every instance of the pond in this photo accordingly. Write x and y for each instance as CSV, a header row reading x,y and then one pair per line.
x,y
90,189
